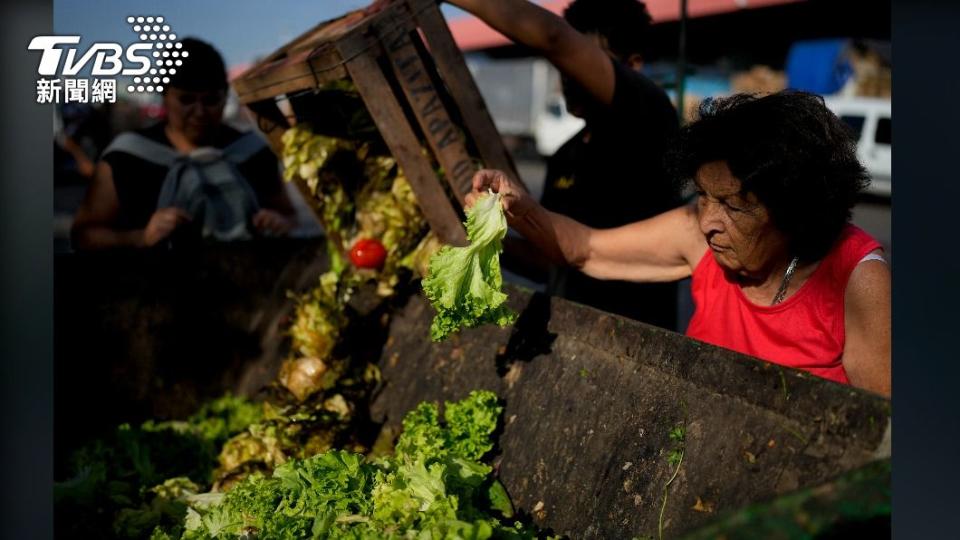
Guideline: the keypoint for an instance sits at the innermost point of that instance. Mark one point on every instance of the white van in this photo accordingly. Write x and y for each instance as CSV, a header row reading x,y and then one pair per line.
x,y
525,99
870,120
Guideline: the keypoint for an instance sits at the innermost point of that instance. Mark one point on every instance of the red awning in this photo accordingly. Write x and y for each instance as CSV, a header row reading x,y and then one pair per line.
x,y
471,34
235,71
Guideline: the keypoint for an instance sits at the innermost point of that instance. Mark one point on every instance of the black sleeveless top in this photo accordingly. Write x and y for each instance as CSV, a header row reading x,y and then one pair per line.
x,y
616,178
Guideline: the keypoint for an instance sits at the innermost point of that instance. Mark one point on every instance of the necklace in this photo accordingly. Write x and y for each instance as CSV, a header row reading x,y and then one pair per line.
x,y
782,291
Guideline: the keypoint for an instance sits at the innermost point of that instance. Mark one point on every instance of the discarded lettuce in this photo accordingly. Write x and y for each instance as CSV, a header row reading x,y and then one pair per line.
x,y
138,477
464,282
435,486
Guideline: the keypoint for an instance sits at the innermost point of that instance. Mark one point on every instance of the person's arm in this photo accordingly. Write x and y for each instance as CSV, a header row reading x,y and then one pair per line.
x,y
85,165
521,257
866,351
576,55
93,225
277,215
664,248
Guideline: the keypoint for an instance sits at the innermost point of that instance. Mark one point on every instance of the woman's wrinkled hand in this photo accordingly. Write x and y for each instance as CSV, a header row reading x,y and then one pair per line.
x,y
515,200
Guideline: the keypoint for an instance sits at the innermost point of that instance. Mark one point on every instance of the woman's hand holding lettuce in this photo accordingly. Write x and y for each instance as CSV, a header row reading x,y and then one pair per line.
x,y
464,282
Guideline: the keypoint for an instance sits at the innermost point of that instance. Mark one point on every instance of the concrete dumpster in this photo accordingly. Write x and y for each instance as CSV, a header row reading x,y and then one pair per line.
x,y
590,398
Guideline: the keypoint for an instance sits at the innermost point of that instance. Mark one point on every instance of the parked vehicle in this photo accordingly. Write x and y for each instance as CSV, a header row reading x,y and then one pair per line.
x,y
525,100
870,120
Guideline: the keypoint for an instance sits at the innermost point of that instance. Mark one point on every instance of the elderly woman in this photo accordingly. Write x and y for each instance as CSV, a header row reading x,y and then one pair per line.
x,y
778,272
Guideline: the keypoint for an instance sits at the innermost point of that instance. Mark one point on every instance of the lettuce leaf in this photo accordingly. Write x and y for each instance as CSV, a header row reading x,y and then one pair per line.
x,y
470,424
464,282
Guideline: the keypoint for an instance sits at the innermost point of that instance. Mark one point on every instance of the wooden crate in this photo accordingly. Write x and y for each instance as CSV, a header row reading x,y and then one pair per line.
x,y
415,85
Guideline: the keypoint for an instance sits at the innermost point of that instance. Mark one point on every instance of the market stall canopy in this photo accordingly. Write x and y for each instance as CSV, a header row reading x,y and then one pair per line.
x,y
472,34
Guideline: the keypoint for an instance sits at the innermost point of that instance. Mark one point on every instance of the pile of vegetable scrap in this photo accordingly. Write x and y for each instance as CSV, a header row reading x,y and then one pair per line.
x,y
464,283
434,486
368,211
127,484
365,203
293,466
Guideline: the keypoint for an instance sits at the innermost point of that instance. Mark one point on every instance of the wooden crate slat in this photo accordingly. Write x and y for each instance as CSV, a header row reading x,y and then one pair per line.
x,y
358,46
452,67
278,67
304,82
288,78
442,134
388,114
305,70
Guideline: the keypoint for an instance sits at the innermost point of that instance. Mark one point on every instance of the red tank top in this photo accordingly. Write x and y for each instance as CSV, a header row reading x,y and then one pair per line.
x,y
805,331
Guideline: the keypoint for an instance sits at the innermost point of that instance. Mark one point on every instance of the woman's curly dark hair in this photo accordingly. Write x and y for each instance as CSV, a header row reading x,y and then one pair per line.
x,y
625,24
788,149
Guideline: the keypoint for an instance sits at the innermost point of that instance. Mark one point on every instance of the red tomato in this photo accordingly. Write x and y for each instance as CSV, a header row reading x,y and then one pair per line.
x,y
368,253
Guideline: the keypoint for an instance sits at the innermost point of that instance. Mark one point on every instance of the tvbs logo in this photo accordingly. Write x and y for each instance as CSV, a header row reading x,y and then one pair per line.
x,y
61,56
108,58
